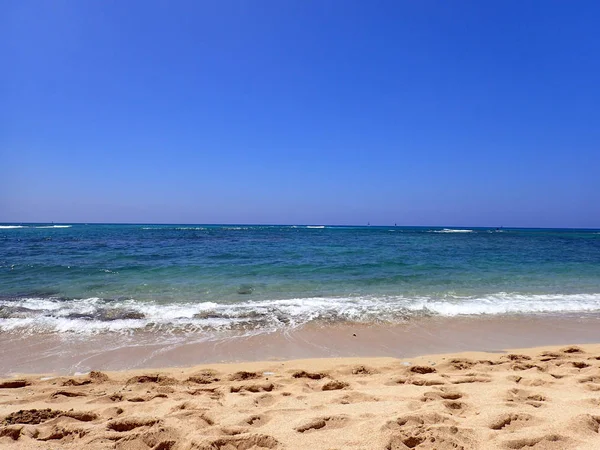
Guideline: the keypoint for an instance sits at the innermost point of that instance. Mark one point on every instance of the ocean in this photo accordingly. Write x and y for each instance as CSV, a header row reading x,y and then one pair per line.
x,y
202,280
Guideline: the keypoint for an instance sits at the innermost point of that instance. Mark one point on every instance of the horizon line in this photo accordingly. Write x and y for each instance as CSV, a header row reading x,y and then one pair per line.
x,y
300,224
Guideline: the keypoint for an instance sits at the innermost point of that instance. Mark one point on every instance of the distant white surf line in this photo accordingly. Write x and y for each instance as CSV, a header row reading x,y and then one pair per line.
x,y
9,227
55,226
451,230
174,228
315,226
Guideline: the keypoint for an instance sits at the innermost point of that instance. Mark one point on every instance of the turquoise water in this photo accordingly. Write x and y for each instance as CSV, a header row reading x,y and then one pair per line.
x,y
96,278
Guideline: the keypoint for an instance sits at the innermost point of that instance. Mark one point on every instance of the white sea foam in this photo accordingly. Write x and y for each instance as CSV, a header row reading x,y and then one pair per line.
x,y
55,226
174,228
94,315
316,226
451,230
8,227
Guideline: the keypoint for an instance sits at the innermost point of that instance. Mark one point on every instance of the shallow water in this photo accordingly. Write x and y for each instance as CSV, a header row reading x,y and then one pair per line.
x,y
201,279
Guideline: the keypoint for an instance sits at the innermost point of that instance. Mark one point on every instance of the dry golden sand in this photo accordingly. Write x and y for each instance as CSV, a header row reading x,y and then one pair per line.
x,y
542,398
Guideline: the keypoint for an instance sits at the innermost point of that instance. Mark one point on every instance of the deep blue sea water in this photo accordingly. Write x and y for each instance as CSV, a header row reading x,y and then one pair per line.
x,y
196,278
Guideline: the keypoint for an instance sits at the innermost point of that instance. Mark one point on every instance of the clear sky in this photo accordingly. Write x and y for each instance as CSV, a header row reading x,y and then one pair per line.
x,y
324,112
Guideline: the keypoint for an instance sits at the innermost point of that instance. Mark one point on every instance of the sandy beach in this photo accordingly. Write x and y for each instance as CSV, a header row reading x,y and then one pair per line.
x,y
536,398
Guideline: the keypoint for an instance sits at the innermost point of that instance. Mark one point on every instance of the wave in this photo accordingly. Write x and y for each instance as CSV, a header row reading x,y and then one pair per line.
x,y
174,228
94,315
451,230
55,226
8,227
315,226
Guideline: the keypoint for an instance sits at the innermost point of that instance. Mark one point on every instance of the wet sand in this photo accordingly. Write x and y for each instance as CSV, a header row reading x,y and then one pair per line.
x,y
71,353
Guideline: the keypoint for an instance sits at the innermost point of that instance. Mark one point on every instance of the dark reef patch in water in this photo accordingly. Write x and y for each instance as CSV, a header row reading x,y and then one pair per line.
x,y
108,315
245,289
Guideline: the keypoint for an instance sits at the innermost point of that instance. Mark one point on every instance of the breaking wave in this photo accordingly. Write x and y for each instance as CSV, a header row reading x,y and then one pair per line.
x,y
95,315
8,227
451,230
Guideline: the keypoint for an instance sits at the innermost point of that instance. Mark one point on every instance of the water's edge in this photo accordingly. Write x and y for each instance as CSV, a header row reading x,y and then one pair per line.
x,y
70,353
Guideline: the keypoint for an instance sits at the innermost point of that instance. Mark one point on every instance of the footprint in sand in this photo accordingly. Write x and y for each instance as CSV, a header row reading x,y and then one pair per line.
x,y
55,424
363,370
192,413
202,420
13,432
591,383
471,378
441,394
266,387
580,364
514,357
146,398
59,432
203,377
334,385
422,370
59,394
243,376
309,375
511,422
31,416
549,356
460,364
256,420
211,393
418,420
525,397
253,441
527,366
113,412
548,442
112,398
159,379
265,400
155,439
571,349
323,423
94,376
455,407
432,438
73,382
418,381
130,423
234,431
13,384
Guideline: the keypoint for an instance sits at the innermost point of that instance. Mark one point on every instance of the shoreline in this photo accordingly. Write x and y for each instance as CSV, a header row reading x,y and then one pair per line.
x,y
545,397
64,353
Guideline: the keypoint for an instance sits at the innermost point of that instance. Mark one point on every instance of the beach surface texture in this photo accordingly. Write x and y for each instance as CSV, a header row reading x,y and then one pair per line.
x,y
538,398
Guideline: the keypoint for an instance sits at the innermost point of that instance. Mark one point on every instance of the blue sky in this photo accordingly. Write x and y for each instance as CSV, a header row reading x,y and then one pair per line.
x,y
339,112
